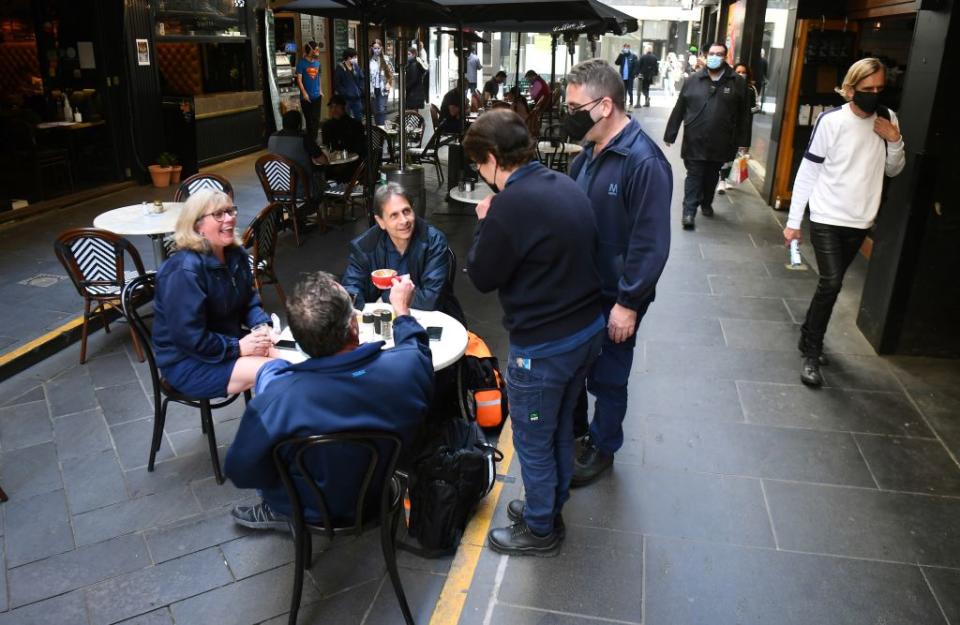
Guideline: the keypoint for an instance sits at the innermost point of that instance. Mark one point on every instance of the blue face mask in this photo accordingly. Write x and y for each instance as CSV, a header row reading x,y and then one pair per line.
x,y
714,62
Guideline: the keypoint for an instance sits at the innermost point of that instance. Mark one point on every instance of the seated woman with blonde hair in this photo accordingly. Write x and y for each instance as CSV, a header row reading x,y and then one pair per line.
x,y
204,299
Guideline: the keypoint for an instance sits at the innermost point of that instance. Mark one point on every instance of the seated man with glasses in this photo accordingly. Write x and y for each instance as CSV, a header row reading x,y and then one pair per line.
x,y
343,386
205,303
408,244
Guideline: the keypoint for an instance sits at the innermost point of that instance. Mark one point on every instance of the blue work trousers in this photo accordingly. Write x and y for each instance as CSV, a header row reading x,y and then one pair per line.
x,y
380,106
543,393
607,382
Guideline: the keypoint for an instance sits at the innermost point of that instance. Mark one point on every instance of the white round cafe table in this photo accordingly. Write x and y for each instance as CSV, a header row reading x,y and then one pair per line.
x,y
570,149
132,220
349,158
470,197
448,350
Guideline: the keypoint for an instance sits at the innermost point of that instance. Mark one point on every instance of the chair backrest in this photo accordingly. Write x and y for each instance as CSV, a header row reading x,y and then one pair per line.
x,y
94,260
378,140
435,115
452,267
293,453
138,292
202,181
533,122
415,125
282,179
261,234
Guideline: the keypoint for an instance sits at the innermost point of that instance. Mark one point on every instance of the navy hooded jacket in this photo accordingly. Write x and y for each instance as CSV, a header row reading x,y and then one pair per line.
x,y
364,389
630,185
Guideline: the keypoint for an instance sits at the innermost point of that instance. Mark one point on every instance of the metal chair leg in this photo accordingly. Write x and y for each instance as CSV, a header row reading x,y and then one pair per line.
x,y
206,418
84,330
301,563
159,418
390,557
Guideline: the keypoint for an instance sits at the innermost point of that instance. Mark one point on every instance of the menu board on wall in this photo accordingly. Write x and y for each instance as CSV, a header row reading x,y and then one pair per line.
x,y
340,37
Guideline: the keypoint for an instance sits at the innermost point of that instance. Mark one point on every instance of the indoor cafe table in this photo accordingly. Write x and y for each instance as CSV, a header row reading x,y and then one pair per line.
x,y
445,351
139,219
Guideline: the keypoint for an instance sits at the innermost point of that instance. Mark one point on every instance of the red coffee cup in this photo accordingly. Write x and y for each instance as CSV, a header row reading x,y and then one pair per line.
x,y
383,278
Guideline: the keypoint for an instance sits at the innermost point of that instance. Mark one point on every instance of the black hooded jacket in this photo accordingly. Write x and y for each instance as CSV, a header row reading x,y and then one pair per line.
x,y
715,115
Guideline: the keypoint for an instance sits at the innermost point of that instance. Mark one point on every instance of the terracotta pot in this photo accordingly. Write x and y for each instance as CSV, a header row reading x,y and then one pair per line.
x,y
175,174
160,175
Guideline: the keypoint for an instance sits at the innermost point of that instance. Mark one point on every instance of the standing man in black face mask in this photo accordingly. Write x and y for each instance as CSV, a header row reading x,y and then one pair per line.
x,y
536,245
841,175
629,183
714,108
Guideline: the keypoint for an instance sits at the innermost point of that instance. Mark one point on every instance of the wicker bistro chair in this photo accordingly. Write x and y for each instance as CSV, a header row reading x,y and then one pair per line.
x,y
261,237
346,196
187,188
138,292
415,125
435,116
286,183
382,450
94,260
202,181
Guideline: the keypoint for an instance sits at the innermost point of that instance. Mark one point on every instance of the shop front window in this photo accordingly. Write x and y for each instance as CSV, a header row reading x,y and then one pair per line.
x,y
768,75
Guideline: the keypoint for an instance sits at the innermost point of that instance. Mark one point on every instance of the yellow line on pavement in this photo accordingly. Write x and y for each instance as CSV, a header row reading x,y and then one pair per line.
x,y
454,593
40,341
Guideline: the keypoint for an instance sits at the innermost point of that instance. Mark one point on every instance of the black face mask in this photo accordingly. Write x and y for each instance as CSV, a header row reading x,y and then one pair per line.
x,y
578,124
866,101
493,185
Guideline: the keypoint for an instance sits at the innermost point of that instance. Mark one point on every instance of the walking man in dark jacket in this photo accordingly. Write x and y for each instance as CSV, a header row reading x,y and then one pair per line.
x,y
629,66
649,68
714,106
629,183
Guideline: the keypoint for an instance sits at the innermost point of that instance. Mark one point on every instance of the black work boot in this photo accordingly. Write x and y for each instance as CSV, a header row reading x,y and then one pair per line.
x,y
810,371
515,511
707,211
519,540
687,222
589,464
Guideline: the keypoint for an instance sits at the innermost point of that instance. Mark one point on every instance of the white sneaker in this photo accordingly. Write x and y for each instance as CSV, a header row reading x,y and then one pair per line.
x,y
722,186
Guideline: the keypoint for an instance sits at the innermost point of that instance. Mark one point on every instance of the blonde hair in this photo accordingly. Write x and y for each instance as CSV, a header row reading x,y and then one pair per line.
x,y
857,72
196,206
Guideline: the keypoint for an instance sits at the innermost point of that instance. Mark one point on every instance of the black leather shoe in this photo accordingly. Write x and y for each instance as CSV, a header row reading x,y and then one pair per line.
x,y
824,361
687,222
515,513
810,371
589,464
707,211
519,540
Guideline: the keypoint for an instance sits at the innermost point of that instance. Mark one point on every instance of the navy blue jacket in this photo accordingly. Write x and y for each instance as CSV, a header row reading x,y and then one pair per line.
x,y
630,188
201,304
537,247
427,260
349,84
364,389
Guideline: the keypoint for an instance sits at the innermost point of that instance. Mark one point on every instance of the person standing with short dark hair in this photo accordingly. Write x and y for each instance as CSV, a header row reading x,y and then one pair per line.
x,y
629,66
348,82
536,244
311,93
714,108
649,69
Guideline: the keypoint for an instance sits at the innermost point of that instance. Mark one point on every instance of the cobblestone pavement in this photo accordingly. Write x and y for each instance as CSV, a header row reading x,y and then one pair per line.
x,y
739,497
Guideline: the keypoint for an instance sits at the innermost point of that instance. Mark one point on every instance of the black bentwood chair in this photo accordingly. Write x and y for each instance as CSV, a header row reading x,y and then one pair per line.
x,y
140,291
382,450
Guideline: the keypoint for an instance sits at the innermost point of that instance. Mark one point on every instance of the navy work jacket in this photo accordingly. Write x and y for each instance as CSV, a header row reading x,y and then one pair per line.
x,y
630,189
201,306
364,389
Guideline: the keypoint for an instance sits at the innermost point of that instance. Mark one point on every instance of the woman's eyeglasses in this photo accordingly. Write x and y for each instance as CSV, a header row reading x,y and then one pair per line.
x,y
221,213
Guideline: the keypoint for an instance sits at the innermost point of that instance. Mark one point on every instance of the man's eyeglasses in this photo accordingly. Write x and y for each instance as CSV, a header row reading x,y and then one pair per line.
x,y
573,108
221,213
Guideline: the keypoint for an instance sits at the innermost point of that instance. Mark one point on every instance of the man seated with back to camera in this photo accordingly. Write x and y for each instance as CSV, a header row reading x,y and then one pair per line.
x,y
407,244
342,132
291,142
342,386
451,121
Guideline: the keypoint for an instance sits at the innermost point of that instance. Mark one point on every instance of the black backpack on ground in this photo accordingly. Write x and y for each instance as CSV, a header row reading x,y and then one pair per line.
x,y
454,469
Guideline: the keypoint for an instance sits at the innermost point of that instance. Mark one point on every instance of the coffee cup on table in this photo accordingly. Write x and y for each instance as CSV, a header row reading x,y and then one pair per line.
x,y
383,278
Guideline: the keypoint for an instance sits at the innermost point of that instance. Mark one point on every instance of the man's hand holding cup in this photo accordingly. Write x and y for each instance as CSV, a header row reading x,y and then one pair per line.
x,y
401,294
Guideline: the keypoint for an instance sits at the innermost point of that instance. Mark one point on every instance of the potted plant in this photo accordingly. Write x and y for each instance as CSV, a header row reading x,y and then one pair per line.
x,y
161,171
175,166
